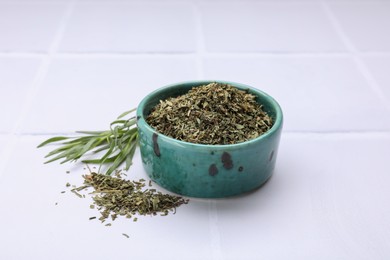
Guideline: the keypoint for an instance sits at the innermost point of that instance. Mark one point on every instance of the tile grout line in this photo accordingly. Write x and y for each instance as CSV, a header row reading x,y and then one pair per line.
x,y
215,236
151,2
20,2
34,88
23,54
338,134
129,55
362,67
97,54
200,44
121,2
355,54
44,68
313,132
125,55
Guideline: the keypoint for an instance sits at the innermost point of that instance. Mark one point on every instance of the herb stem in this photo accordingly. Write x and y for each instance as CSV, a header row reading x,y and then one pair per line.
x,y
119,144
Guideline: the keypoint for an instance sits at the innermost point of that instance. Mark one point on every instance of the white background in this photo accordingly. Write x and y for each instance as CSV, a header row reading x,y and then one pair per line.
x,y
76,65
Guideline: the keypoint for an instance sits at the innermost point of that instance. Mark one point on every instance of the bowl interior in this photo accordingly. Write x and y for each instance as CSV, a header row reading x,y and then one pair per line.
x,y
269,104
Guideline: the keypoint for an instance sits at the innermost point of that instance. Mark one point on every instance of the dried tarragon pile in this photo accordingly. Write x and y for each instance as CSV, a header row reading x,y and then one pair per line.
x,y
114,196
211,114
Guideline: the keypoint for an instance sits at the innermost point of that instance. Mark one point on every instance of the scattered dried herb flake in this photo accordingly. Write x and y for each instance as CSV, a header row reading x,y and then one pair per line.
x,y
114,196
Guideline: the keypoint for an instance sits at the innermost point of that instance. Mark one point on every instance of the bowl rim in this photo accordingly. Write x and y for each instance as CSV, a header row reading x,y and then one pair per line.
x,y
275,127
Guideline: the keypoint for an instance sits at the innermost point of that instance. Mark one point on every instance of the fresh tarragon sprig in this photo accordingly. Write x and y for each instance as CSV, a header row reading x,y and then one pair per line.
x,y
119,144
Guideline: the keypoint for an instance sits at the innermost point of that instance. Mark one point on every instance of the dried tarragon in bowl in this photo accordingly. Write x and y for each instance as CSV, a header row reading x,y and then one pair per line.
x,y
212,114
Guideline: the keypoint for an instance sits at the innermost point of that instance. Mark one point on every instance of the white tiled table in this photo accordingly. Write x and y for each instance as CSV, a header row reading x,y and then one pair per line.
x,y
70,65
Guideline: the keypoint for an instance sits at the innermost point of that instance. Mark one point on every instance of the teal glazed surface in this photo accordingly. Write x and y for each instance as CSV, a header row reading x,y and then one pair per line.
x,y
207,171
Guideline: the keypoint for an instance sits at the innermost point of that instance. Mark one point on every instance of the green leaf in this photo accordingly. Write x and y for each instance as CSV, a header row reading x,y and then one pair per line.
x,y
117,162
130,155
105,157
126,113
90,132
118,122
59,150
100,161
102,148
119,144
52,140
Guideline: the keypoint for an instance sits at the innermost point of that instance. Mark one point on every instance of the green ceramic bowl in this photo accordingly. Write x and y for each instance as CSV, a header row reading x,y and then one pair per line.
x,y
207,171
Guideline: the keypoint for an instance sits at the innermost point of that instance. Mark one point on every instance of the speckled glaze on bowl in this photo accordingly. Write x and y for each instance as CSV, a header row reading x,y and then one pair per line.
x,y
207,171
